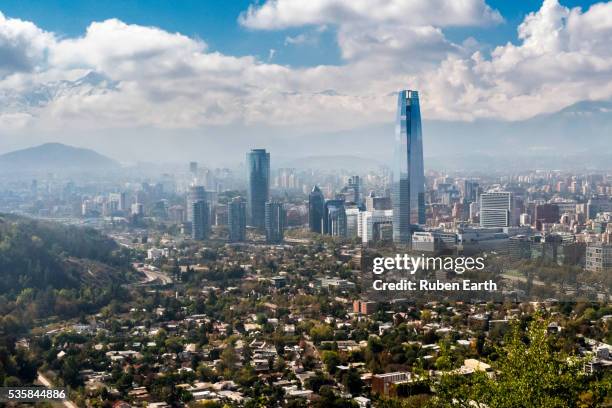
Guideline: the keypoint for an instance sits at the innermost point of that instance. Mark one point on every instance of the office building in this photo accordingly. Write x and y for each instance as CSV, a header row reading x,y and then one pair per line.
x,y
353,190
598,257
495,209
236,219
408,177
598,205
373,202
316,204
275,219
470,191
376,226
352,220
195,193
258,186
200,220
334,219
546,214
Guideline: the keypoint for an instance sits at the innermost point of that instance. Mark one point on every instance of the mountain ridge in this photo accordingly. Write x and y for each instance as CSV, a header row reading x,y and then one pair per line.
x,y
54,157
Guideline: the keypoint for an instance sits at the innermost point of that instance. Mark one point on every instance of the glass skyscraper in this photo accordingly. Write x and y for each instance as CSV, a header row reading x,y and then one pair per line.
x,y
275,221
316,203
258,179
408,172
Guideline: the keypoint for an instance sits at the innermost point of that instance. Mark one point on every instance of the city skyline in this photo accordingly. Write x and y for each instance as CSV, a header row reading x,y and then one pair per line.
x,y
306,203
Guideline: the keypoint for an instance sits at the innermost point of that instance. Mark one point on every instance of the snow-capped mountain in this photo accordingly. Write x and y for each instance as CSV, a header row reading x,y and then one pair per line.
x,y
40,95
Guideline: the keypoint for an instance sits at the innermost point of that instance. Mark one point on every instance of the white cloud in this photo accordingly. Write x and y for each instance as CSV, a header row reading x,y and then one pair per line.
x,y
168,80
280,14
22,45
299,39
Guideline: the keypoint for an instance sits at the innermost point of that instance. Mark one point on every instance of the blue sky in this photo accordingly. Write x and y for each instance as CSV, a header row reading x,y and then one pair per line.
x,y
290,69
216,23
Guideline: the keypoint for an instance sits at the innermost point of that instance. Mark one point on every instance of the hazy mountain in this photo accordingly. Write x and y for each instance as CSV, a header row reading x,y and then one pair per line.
x,y
54,157
40,95
578,136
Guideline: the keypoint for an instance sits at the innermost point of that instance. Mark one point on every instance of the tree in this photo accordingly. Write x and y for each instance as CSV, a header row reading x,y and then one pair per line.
x,y
352,382
529,373
331,359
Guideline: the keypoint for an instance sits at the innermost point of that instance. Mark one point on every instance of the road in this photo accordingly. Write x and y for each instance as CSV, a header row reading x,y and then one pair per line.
x,y
153,275
45,381
523,279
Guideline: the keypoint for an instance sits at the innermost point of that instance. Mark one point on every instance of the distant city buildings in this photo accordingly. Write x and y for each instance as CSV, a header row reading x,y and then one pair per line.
x,y
237,219
546,214
316,204
200,220
599,257
275,221
258,186
495,209
408,176
196,193
334,220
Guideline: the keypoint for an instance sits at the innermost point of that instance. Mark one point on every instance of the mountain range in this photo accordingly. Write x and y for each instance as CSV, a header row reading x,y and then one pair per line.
x,y
577,136
54,157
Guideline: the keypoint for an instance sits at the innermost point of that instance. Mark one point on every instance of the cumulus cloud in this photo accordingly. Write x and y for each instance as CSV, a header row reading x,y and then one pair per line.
x,y
22,45
151,77
554,66
280,14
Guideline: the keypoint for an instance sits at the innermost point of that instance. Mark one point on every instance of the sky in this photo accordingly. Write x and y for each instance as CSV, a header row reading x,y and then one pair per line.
x,y
156,79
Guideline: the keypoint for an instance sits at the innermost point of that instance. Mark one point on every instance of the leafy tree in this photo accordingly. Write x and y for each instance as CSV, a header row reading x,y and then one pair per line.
x,y
529,373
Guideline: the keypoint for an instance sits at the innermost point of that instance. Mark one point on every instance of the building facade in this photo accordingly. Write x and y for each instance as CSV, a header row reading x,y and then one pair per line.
x,y
200,221
236,219
316,204
408,175
495,209
275,221
258,186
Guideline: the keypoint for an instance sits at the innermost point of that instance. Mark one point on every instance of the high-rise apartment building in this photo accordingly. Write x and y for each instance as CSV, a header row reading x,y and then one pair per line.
x,y
598,257
258,186
236,219
275,221
200,223
195,193
408,177
334,220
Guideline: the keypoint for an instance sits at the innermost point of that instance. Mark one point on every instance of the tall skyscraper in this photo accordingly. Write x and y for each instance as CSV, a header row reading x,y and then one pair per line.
x,y
353,188
495,209
470,191
200,223
193,169
334,219
237,219
408,176
275,221
258,188
195,193
316,202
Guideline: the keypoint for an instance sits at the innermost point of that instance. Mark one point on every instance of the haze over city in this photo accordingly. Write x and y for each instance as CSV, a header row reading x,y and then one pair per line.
x,y
306,203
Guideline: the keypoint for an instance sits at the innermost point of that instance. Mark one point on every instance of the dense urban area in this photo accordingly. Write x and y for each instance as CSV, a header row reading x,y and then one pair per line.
x,y
206,288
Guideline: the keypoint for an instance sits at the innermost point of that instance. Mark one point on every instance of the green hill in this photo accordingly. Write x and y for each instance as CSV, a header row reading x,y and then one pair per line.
x,y
49,269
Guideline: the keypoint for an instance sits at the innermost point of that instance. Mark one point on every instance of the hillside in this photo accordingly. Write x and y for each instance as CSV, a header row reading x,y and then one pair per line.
x,y
54,157
52,269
